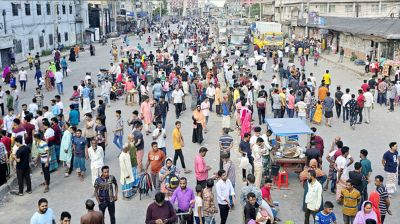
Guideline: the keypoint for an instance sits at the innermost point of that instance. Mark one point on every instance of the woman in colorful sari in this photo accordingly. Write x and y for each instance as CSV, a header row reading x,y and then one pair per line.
x,y
66,148
47,80
169,170
199,123
146,114
245,120
133,155
6,74
318,113
365,213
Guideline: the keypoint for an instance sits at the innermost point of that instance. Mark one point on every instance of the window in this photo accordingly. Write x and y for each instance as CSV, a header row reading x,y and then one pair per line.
x,y
48,9
51,39
31,45
375,8
383,7
38,9
66,36
41,41
18,46
70,9
349,8
63,9
59,38
27,9
15,8
57,10
323,8
332,8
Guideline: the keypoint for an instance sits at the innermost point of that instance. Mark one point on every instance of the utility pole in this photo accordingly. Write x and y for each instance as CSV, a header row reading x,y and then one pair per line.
x,y
115,15
55,24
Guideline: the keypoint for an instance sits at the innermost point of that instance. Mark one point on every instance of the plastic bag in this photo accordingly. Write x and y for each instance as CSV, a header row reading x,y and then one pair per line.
x,y
244,162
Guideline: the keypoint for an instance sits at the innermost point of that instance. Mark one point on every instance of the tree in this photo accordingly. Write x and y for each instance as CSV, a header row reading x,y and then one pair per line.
x,y
255,10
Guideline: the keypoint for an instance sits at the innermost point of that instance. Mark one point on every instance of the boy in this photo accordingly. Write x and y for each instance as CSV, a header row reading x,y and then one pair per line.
x,y
326,216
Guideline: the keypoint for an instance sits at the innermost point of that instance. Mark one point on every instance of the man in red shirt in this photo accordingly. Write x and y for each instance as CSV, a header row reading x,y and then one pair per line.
x,y
365,86
6,141
266,196
29,128
360,104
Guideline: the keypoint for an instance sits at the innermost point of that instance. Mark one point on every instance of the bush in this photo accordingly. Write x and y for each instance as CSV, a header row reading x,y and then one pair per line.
x,y
353,56
46,52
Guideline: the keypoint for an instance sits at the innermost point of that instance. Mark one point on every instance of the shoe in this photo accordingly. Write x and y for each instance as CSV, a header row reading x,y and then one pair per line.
x,y
29,192
46,189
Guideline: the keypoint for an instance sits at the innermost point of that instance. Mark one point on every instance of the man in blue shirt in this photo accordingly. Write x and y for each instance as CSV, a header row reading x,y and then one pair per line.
x,y
80,153
326,216
74,116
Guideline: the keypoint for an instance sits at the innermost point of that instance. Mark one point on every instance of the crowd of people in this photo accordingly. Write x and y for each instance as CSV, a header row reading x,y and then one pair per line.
x,y
229,86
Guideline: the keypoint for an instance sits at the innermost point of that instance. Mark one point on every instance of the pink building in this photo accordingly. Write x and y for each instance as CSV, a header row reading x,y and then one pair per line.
x,y
248,2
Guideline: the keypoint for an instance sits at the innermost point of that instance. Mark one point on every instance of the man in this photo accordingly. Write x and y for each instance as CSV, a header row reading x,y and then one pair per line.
x,y
119,130
92,216
384,202
178,143
160,211
368,104
23,77
225,192
155,159
360,105
58,76
341,55
313,153
245,150
96,156
159,135
326,216
201,168
104,192
163,108
44,158
328,103
225,144
341,165
357,179
250,209
65,218
44,215
177,99
366,169
382,91
2,98
390,162
79,148
352,109
338,101
327,78
185,197
351,198
9,121
313,198
22,157
139,144
250,188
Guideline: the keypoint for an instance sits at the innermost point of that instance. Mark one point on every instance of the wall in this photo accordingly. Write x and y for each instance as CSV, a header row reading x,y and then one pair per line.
x,y
354,44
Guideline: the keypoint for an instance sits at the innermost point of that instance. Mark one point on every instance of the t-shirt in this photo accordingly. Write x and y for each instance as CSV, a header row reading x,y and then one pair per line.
x,y
79,143
390,161
198,202
328,104
176,139
301,107
350,202
156,159
327,78
178,96
23,153
341,163
312,153
105,190
225,141
139,136
322,218
383,195
46,218
245,147
160,139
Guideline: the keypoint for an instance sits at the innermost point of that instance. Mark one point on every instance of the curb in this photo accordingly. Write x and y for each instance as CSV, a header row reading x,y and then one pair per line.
x,y
349,68
11,183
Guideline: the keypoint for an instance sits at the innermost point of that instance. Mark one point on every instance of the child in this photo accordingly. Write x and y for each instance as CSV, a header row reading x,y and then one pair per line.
x,y
326,216
198,205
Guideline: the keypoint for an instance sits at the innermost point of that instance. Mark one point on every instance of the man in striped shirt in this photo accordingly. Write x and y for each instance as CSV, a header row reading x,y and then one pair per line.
x,y
384,201
225,145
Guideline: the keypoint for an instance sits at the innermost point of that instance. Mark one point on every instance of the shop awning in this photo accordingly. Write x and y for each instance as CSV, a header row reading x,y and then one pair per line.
x,y
288,126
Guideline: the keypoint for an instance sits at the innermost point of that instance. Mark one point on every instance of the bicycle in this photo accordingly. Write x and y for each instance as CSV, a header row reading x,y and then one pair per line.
x,y
182,215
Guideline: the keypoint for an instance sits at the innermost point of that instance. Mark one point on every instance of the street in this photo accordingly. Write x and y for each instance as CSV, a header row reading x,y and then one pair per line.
x,y
69,194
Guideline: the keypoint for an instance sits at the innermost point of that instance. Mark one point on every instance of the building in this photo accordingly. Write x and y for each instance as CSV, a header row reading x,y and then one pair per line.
x,y
39,26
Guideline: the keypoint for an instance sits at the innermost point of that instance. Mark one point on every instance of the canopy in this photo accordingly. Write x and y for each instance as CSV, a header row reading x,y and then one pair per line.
x,y
288,126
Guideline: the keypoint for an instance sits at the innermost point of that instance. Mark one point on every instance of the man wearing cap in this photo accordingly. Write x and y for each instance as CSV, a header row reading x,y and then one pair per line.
x,y
201,168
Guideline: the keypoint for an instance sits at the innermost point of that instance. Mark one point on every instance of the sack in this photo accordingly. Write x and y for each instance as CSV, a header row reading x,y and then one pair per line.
x,y
244,162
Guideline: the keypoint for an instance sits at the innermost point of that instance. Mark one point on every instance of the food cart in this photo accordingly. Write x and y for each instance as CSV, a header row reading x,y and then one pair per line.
x,y
287,151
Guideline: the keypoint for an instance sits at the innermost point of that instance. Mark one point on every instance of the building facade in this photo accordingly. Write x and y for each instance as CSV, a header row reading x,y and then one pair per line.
x,y
39,26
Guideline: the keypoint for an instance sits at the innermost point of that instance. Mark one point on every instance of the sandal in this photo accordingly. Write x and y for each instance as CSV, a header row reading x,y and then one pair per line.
x,y
46,189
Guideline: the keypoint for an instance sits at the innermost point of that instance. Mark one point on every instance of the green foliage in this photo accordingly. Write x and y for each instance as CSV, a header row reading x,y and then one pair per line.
x,y
46,52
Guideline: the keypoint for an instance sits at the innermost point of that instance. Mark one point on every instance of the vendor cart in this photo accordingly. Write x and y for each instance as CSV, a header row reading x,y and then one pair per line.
x,y
287,131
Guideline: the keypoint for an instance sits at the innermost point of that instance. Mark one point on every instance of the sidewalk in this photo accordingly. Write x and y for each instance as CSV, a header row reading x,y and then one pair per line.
x,y
334,58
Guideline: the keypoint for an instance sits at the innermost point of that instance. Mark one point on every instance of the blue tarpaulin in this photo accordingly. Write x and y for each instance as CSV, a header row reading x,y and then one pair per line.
x,y
288,126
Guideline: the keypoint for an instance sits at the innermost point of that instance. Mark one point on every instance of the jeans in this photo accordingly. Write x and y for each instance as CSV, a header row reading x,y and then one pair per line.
x,y
312,112
290,113
178,153
349,219
223,212
338,109
22,83
111,209
197,219
218,109
64,71
155,179
24,174
261,115
345,114
391,101
211,103
360,114
118,141
164,119
178,109
277,113
381,98
2,109
209,220
307,216
46,173
60,88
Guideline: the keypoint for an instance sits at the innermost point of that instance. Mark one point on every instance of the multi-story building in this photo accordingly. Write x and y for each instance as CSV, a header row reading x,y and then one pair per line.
x,y
39,26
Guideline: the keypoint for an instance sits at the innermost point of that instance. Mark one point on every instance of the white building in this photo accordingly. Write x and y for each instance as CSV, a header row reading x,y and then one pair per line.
x,y
40,26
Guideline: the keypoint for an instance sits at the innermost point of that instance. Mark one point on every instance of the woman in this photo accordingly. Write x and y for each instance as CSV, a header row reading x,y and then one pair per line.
x,y
133,155
47,80
6,74
72,56
318,113
199,123
126,177
365,213
146,114
168,172
374,199
245,120
313,165
66,148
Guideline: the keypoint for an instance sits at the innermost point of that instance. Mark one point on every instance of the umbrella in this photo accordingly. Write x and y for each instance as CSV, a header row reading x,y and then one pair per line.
x,y
130,48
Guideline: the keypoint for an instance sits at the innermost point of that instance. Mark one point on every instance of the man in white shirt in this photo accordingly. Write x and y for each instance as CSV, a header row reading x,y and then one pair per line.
x,y
59,103
58,76
313,198
210,93
368,104
341,165
96,156
224,191
345,98
177,99
2,98
159,135
33,107
181,59
23,78
9,121
106,91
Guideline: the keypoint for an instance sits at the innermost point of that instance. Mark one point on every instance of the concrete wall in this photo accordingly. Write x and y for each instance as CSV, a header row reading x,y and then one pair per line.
x,y
354,44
